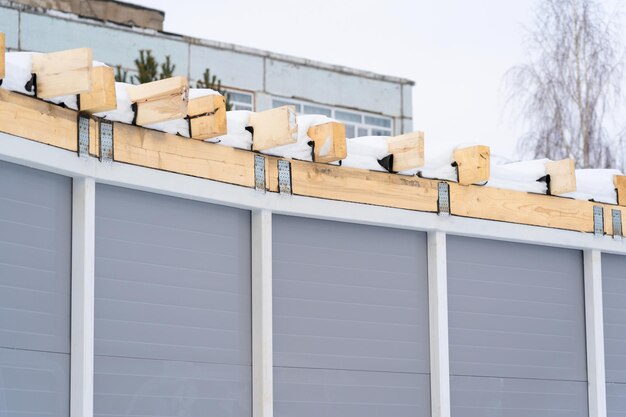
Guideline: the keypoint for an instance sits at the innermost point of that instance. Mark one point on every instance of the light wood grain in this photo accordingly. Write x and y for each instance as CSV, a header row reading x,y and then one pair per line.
x,y
158,89
620,187
102,96
562,176
473,164
38,120
63,73
207,116
331,138
275,127
407,151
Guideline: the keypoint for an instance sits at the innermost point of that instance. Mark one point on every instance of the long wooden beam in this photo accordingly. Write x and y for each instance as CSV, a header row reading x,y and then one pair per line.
x,y
47,123
272,128
63,73
102,96
620,188
160,101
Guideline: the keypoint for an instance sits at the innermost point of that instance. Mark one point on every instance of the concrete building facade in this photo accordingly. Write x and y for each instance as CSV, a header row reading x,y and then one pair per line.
x,y
368,103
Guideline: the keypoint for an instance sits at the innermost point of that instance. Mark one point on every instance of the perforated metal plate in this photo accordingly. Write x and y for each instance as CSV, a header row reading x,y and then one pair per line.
x,y
617,223
284,177
259,173
83,136
443,202
598,220
106,141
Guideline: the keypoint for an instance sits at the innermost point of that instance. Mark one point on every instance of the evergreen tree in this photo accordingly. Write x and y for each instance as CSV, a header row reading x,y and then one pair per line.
x,y
120,75
147,67
214,83
167,68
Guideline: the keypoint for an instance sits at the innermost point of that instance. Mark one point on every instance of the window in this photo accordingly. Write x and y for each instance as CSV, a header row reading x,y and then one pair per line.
x,y
241,100
357,123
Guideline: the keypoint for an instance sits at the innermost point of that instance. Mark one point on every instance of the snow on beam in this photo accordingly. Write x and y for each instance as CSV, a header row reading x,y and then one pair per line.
x,y
63,73
160,101
207,116
102,96
2,51
329,142
620,186
407,151
272,128
561,176
472,164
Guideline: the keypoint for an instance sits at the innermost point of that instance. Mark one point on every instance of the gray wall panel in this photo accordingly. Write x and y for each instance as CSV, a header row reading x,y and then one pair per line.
x,y
349,296
139,387
350,320
34,384
614,303
330,393
515,310
173,303
509,397
35,267
616,399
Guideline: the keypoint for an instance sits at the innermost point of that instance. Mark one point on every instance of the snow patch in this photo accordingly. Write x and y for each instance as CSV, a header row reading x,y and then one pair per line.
x,y
124,112
596,185
237,136
18,76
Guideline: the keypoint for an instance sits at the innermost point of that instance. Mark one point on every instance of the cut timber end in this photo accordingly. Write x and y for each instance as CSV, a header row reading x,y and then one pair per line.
x,y
207,116
407,151
2,51
102,95
472,164
620,186
330,142
275,127
562,176
63,73
160,101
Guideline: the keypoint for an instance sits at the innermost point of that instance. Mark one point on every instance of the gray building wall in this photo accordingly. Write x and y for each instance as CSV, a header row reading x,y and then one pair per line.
x,y
263,73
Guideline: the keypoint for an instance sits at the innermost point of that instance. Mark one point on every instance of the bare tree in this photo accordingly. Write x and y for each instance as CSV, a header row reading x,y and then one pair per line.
x,y
570,83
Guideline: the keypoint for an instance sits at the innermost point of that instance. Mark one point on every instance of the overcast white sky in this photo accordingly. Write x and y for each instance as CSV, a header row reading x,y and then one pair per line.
x,y
456,51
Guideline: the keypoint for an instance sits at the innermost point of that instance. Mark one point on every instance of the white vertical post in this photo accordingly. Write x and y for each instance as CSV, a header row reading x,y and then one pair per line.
x,y
262,350
438,310
83,259
595,333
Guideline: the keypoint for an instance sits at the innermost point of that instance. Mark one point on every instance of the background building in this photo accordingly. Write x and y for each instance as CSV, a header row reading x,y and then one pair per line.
x,y
368,103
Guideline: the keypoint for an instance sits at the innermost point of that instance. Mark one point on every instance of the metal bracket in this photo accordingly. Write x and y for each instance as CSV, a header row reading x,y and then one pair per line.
x,y
443,202
259,173
106,141
284,177
83,136
598,220
617,224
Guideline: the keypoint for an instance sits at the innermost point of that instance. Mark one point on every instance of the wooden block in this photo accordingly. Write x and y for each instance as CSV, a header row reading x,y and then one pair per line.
x,y
561,176
160,101
102,95
2,52
207,116
620,186
407,151
63,73
38,120
472,164
275,127
330,142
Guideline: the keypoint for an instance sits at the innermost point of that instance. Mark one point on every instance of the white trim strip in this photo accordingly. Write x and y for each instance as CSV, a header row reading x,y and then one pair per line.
x,y
262,350
36,155
438,317
83,258
595,333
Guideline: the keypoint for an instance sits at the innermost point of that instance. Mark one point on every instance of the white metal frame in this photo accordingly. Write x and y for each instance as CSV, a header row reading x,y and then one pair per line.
x,y
88,171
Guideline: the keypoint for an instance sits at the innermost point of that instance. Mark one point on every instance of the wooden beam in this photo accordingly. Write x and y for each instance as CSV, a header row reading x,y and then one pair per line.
x,y
330,142
102,95
620,187
63,73
153,149
561,176
272,128
207,116
407,151
38,120
473,164
2,52
159,101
